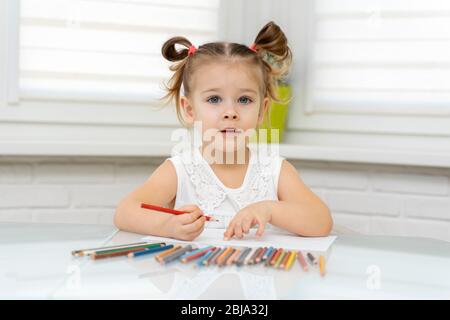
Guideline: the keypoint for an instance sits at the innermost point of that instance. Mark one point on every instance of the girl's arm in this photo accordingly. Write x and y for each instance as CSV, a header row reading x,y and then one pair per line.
x,y
298,210
160,189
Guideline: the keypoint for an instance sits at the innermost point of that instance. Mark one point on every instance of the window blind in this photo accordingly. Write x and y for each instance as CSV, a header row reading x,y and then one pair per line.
x,y
105,50
390,55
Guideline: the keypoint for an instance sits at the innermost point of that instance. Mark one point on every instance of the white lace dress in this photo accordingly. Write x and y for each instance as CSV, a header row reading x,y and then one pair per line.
x,y
198,184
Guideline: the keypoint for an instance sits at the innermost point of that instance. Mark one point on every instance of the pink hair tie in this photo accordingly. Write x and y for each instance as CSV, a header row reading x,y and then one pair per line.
x,y
192,50
253,47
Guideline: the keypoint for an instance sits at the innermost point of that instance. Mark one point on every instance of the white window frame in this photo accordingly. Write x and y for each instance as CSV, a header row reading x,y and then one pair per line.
x,y
419,128
350,135
42,121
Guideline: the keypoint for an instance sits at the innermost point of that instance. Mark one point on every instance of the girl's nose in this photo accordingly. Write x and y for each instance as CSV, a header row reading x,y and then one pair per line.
x,y
230,114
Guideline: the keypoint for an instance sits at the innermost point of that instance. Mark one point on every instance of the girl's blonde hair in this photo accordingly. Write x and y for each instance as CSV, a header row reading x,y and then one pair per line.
x,y
269,52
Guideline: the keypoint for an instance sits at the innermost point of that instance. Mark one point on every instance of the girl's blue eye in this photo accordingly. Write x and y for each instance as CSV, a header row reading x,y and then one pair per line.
x,y
245,100
214,99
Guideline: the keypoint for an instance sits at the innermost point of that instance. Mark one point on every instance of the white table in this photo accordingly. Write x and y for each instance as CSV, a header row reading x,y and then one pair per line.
x,y
36,263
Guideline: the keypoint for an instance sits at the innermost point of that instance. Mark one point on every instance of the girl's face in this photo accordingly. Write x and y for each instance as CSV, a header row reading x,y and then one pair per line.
x,y
226,98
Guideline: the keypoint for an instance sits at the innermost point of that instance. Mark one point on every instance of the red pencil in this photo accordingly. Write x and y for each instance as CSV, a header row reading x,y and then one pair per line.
x,y
171,211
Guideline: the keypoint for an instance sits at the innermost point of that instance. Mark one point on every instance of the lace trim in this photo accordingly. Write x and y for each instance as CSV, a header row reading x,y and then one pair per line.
x,y
210,195
258,186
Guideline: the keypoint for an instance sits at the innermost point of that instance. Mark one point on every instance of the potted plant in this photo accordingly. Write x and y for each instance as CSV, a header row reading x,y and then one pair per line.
x,y
278,110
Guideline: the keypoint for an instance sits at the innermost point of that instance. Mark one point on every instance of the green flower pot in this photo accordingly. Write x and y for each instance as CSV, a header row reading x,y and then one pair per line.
x,y
276,117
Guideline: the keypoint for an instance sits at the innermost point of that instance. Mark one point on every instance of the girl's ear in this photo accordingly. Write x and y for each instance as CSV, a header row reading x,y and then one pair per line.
x,y
188,110
263,111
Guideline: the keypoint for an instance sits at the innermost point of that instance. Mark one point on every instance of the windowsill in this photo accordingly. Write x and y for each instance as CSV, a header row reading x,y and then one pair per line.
x,y
289,151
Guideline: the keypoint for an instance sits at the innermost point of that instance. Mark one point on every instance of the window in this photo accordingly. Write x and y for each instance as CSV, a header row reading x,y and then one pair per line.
x,y
104,50
380,57
371,74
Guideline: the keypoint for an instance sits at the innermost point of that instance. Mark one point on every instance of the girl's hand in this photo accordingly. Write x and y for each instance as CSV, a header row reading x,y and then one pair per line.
x,y
187,226
254,214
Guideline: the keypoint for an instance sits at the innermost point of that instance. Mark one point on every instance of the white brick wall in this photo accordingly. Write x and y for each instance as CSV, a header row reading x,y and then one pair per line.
x,y
67,190
383,200
370,199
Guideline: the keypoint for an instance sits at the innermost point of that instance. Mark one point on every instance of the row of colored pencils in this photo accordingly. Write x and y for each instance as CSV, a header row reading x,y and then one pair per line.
x,y
207,256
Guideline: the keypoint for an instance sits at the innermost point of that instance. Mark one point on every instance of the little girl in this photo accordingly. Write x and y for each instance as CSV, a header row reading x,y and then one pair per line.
x,y
225,88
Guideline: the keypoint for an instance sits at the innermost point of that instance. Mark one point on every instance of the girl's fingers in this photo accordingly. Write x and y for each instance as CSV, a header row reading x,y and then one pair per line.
x,y
188,208
238,230
261,227
189,218
229,232
246,225
194,226
195,234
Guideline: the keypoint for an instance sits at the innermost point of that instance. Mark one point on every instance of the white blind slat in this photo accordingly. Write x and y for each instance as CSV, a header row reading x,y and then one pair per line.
x,y
121,13
109,48
114,41
383,78
380,53
358,6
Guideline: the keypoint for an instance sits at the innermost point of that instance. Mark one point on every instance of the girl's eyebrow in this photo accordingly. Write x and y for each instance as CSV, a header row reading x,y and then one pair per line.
x,y
208,90
240,89
248,90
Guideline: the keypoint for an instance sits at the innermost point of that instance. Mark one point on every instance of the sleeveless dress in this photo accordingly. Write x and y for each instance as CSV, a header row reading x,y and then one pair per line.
x,y
198,184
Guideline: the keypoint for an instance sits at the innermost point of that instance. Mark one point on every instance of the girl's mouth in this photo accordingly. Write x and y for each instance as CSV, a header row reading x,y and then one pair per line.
x,y
230,131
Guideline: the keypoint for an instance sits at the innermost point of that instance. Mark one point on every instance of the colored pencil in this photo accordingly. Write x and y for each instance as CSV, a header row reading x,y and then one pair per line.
x,y
145,246
165,253
302,261
149,251
322,265
175,255
279,259
223,255
275,256
197,254
250,256
95,256
242,257
267,253
270,257
202,260
226,257
171,211
311,259
213,257
233,257
256,255
187,254
291,260
84,252
258,258
285,260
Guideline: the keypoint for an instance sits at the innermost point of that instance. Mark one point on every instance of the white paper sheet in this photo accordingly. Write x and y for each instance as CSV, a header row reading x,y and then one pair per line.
x,y
268,239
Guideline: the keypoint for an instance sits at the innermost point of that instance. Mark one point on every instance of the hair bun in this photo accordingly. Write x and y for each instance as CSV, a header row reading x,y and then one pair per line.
x,y
169,51
272,39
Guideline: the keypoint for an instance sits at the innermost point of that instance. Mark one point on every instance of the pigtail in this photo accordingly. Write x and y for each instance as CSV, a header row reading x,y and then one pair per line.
x,y
175,83
272,45
170,52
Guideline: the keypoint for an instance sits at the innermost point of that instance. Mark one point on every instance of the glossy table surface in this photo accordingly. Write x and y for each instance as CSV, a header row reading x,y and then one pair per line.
x,y
36,263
